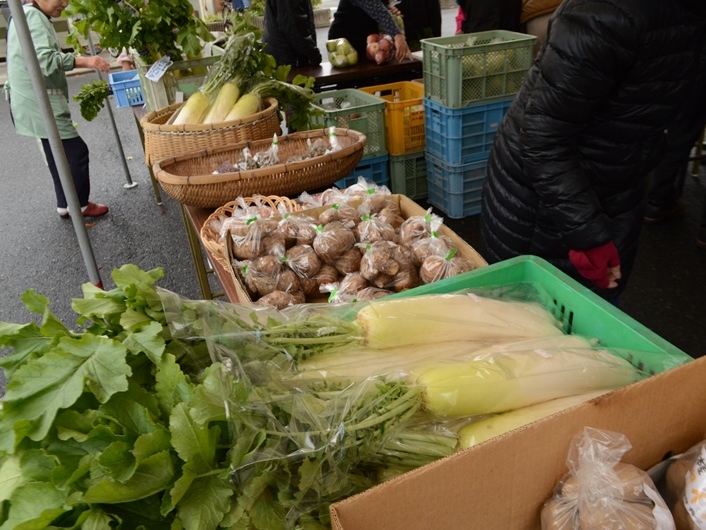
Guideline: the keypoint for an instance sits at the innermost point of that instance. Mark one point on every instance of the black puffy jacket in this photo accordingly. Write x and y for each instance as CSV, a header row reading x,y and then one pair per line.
x,y
290,33
570,159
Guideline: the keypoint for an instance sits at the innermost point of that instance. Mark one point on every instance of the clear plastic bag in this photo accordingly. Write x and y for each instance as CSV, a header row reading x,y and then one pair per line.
x,y
601,493
684,488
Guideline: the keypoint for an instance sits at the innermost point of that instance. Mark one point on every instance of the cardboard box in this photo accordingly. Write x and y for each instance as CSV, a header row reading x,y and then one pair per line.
x,y
408,208
502,483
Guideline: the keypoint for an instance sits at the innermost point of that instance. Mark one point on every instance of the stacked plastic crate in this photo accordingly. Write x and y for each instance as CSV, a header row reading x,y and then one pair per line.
x,y
469,82
405,136
350,108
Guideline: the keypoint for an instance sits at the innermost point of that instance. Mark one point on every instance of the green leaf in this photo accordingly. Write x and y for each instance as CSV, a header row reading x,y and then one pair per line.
x,y
55,381
209,401
27,341
148,341
152,476
193,442
133,411
11,477
171,386
118,461
95,519
39,304
207,501
132,320
34,506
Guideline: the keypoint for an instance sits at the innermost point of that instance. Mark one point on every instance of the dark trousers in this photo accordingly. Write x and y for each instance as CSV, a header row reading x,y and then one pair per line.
x,y
77,157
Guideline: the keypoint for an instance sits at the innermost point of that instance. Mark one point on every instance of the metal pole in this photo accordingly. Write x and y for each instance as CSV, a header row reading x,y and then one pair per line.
x,y
129,183
57,147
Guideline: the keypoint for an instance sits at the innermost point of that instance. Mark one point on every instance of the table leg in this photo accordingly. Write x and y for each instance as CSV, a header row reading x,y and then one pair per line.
x,y
197,256
155,184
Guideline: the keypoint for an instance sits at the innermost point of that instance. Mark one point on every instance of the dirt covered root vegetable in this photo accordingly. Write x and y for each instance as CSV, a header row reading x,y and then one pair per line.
x,y
303,260
352,283
282,299
378,265
432,245
249,245
332,240
260,275
349,261
372,293
372,228
340,211
416,227
327,274
437,267
297,230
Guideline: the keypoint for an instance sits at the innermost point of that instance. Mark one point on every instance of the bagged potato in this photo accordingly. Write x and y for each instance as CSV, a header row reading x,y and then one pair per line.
x,y
601,493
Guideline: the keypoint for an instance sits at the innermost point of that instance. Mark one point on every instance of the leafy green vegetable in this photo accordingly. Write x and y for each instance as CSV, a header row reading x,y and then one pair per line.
x,y
91,98
165,413
154,29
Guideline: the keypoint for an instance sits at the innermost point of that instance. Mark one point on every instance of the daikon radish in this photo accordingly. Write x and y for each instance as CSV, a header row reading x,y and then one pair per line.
x,y
492,426
193,111
222,105
508,381
438,318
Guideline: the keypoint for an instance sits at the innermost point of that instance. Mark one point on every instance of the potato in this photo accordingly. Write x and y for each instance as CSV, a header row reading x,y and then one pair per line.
x,y
333,240
303,260
348,262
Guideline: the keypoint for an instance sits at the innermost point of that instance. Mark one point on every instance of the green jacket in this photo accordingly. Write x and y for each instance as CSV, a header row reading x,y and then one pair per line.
x,y
53,64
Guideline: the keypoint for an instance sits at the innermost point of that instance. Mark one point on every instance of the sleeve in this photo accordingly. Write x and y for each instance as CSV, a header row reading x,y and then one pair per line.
x,y
589,46
49,56
298,34
480,15
378,12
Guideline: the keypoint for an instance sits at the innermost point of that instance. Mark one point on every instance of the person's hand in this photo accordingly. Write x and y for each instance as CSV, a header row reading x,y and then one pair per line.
x,y
93,61
402,50
600,264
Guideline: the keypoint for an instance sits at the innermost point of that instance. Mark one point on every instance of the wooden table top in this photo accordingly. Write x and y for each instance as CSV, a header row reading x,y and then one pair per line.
x,y
365,73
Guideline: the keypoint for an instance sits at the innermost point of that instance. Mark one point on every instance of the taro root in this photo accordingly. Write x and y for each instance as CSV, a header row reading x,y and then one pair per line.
x,y
288,281
392,216
273,244
339,212
282,299
372,293
310,286
408,275
377,203
379,260
437,267
250,244
352,283
431,245
371,229
415,228
327,274
348,262
261,275
297,230
303,260
332,240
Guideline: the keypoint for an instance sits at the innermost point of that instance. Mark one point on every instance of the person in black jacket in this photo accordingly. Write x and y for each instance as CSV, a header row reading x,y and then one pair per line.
x,y
567,172
290,34
485,15
422,20
356,19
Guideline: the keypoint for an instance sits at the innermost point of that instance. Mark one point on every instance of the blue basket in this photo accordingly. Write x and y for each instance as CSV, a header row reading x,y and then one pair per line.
x,y
127,89
456,189
459,136
376,169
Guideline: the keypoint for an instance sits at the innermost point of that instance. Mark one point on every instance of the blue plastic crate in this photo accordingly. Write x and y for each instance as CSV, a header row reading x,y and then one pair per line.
x,y
376,169
459,136
127,89
456,189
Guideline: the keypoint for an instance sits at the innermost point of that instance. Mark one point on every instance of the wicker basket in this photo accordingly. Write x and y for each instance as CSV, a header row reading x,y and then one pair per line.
x,y
189,178
210,234
164,141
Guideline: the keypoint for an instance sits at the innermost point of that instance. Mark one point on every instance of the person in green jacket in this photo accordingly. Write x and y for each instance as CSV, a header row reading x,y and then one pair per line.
x,y
24,106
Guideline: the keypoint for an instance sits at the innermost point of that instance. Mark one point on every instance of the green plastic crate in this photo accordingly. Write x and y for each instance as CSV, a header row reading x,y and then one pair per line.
x,y
580,311
350,108
408,175
475,67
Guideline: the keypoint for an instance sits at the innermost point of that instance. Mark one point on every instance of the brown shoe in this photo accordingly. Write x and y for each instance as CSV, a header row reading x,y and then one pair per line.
x,y
94,210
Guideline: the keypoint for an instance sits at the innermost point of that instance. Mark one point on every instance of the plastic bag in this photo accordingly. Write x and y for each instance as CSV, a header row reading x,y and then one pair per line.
x,y
684,488
372,228
602,493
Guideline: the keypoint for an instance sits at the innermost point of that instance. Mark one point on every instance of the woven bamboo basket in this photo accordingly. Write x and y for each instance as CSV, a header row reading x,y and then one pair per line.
x,y
210,231
189,178
164,141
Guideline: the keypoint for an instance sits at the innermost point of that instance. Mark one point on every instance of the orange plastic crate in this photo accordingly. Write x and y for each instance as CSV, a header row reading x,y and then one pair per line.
x,y
404,115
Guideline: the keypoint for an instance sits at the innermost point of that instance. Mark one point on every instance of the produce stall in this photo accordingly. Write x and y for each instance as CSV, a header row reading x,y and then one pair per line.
x,y
448,395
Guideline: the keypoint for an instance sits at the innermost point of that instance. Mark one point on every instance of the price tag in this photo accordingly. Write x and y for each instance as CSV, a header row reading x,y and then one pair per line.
x,y
158,69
